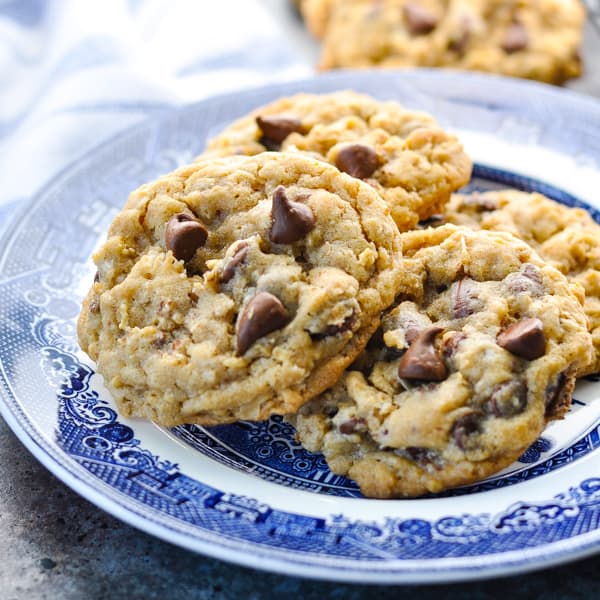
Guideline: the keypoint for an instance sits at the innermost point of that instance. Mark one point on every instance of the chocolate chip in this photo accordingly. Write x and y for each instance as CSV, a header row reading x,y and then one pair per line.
x,y
432,221
463,298
421,360
331,330
263,314
557,396
460,41
331,411
184,235
412,333
451,343
160,340
419,19
516,38
234,262
525,338
480,203
276,129
352,426
357,160
528,280
291,221
508,399
421,455
97,277
464,427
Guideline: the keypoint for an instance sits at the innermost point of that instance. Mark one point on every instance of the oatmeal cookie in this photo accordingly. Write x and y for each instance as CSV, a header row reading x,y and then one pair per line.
x,y
477,354
534,39
403,154
316,15
567,238
237,288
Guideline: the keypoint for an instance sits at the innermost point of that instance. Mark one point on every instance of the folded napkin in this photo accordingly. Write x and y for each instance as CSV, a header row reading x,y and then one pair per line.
x,y
73,72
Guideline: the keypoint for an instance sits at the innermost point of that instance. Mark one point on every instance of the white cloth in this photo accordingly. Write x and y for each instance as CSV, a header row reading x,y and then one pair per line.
x,y
74,72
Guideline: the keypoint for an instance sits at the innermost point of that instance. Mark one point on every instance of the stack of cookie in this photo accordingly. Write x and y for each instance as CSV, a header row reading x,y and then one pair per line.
x,y
535,39
287,271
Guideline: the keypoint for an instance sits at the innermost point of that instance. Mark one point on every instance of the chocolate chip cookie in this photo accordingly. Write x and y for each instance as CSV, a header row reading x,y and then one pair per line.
x,y
567,238
316,15
237,288
477,354
535,39
404,155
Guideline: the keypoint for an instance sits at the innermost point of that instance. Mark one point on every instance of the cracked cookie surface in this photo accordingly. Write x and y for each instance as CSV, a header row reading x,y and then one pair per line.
x,y
534,39
477,354
412,163
237,288
567,238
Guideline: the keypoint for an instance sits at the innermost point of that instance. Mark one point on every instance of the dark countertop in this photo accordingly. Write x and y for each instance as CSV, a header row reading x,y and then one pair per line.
x,y
57,545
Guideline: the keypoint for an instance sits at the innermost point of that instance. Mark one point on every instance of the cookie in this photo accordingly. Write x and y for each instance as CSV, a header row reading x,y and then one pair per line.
x,y
534,39
404,155
477,354
238,288
567,238
316,15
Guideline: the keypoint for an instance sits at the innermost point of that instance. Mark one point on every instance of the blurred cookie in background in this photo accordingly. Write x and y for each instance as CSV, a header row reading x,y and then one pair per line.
x,y
533,39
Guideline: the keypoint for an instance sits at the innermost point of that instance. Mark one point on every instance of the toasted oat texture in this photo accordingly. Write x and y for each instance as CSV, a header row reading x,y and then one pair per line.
x,y
534,39
237,288
477,354
403,154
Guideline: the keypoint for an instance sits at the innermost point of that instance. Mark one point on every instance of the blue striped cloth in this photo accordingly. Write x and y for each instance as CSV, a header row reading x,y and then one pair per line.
x,y
74,72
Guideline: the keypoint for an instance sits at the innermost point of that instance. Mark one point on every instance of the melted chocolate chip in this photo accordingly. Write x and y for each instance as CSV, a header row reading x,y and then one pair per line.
x,y
234,262
515,39
421,360
263,314
557,397
461,40
352,426
184,234
464,294
160,340
432,221
480,203
420,455
528,280
331,330
419,19
291,221
508,399
525,338
357,160
276,129
451,343
464,427
331,411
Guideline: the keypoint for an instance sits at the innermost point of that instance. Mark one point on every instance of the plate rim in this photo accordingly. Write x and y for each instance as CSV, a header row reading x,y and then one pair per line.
x,y
550,555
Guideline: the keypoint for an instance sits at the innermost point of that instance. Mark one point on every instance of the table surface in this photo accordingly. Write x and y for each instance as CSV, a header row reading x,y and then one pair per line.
x,y
57,545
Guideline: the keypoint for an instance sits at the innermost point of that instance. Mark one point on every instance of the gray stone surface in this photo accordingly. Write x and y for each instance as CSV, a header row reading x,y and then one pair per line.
x,y
55,545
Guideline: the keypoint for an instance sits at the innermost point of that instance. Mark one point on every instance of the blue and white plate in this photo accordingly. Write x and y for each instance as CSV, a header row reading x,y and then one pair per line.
x,y
247,492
